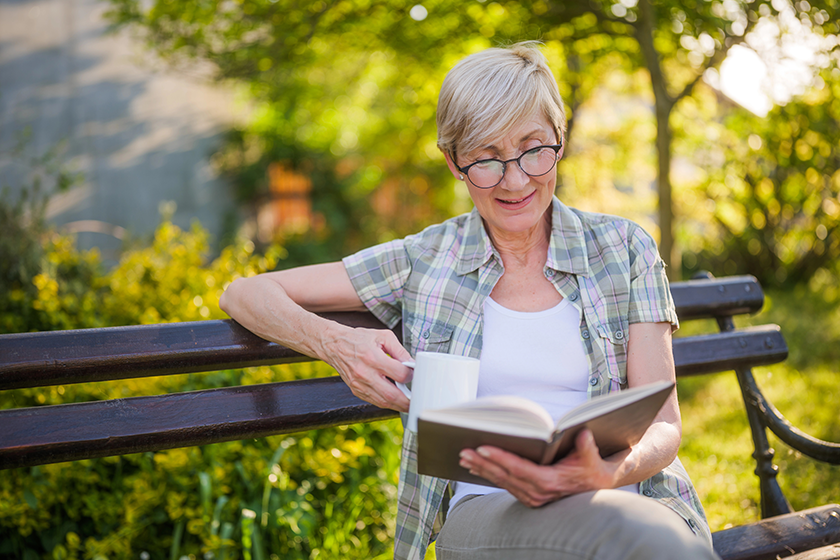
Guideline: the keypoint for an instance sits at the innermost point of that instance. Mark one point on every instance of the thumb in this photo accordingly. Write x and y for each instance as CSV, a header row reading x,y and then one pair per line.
x,y
585,443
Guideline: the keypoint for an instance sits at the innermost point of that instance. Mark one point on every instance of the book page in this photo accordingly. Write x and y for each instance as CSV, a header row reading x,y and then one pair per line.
x,y
502,414
607,403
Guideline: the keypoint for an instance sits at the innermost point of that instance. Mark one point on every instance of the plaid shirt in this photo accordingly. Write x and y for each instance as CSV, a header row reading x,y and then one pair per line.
x,y
436,282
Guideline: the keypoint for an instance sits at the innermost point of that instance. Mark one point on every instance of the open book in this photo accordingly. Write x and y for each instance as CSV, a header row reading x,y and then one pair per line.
x,y
617,420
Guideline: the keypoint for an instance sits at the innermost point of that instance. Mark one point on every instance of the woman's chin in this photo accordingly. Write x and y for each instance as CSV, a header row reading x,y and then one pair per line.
x,y
512,225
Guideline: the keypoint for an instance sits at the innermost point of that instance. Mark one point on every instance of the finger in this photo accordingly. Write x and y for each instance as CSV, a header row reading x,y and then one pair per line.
x,y
484,467
503,468
389,361
381,391
395,399
533,484
391,345
373,386
488,469
396,370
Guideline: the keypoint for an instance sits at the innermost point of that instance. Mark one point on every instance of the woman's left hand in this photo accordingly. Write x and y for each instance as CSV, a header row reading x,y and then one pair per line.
x,y
534,485
649,359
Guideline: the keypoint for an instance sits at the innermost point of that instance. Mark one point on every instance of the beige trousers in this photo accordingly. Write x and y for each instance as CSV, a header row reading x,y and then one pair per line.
x,y
603,525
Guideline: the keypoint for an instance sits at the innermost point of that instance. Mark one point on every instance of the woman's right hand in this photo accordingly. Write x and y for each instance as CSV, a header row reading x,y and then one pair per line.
x,y
369,361
281,306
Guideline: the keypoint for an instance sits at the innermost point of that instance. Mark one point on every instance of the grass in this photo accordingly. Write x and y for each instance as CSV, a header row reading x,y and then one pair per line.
x,y
717,445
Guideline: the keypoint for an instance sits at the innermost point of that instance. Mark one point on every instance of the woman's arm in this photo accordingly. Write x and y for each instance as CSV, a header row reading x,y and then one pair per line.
x,y
649,359
281,306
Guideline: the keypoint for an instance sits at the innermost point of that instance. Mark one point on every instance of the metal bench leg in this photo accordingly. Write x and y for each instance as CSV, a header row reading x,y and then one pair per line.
x,y
773,500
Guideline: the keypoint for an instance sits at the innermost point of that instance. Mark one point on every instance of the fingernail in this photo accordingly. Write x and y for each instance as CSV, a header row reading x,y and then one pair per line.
x,y
483,452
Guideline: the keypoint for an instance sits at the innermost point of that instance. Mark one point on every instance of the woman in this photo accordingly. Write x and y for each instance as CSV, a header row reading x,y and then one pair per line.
x,y
560,306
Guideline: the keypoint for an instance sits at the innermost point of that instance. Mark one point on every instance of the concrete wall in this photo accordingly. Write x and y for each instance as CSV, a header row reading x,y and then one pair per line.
x,y
139,133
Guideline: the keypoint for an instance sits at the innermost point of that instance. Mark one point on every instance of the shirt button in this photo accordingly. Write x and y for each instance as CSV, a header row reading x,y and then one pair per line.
x,y
647,492
619,335
585,333
549,273
593,381
426,334
573,297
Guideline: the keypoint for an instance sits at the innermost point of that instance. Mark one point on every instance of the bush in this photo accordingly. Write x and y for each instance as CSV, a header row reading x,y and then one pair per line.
x,y
323,494
770,205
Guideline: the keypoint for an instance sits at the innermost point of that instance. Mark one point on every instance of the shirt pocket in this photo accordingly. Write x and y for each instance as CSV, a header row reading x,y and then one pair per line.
x,y
614,336
425,335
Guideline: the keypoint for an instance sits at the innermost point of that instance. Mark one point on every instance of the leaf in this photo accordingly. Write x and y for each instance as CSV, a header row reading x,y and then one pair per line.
x,y
30,498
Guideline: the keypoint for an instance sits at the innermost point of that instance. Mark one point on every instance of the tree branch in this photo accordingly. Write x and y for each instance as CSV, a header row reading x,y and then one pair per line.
x,y
716,59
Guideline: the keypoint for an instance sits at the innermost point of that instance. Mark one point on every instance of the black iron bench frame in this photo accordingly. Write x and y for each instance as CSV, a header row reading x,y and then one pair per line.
x,y
50,434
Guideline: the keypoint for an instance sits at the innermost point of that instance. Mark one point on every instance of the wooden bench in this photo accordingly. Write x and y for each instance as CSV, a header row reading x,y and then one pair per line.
x,y
49,434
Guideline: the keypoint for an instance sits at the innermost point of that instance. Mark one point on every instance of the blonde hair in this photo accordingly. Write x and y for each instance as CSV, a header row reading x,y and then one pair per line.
x,y
488,93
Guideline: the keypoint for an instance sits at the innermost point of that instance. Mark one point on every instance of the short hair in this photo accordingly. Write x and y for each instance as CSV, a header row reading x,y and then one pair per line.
x,y
488,93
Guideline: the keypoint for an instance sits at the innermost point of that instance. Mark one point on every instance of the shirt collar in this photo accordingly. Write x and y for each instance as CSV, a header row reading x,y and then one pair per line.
x,y
476,248
567,246
566,252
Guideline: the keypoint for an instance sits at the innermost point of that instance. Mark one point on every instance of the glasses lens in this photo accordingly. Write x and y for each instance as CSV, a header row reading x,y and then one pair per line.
x,y
538,161
486,173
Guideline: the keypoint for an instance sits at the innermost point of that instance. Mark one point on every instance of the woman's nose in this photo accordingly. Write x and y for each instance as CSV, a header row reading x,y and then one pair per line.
x,y
514,178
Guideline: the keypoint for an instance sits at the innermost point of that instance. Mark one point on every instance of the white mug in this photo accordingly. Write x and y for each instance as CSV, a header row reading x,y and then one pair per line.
x,y
440,380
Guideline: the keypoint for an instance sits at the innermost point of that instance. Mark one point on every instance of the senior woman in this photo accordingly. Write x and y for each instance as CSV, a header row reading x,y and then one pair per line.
x,y
560,306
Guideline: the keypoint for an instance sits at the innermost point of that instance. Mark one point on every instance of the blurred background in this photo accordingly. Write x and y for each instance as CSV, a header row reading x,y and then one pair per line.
x,y
151,151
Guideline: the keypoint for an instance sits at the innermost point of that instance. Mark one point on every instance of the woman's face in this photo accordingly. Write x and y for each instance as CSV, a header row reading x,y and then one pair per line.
x,y
519,202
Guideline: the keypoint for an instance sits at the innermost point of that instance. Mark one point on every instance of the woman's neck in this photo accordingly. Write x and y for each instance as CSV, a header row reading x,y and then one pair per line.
x,y
521,247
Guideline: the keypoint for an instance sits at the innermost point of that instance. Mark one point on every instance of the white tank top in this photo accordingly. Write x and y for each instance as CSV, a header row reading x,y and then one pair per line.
x,y
537,355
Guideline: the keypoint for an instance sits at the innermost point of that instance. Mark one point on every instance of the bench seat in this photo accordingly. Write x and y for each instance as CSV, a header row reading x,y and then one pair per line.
x,y
815,531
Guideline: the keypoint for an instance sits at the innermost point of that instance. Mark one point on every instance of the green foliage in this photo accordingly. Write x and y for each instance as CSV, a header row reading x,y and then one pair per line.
x,y
325,493
345,92
772,192
45,284
322,494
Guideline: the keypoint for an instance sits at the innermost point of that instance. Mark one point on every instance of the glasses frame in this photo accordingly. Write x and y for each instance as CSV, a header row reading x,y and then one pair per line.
x,y
466,169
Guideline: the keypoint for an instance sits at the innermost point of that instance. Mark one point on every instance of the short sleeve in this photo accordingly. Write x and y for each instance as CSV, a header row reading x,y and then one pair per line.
x,y
378,275
650,294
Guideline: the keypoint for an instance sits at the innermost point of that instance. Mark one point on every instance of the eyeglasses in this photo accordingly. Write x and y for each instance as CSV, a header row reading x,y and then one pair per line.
x,y
487,173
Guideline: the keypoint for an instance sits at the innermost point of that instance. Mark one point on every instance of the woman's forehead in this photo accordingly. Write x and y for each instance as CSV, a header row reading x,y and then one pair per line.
x,y
537,127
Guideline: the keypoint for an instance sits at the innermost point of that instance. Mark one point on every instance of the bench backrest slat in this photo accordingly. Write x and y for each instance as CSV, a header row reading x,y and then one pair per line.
x,y
49,434
717,297
87,355
750,347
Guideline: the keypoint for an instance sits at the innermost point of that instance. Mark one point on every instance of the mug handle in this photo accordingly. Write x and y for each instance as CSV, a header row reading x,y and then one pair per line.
x,y
401,386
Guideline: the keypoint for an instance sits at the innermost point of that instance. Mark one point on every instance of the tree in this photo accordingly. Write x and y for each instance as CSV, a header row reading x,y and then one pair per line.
x,y
300,59
679,41
775,199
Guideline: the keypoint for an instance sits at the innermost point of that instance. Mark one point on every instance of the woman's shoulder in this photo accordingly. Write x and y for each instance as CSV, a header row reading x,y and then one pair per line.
x,y
442,236
597,220
611,229
610,238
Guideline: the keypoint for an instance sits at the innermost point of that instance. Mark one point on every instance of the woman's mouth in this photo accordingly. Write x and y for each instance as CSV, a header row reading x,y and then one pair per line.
x,y
514,203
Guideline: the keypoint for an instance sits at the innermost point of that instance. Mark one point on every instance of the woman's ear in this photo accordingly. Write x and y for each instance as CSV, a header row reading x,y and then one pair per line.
x,y
452,167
